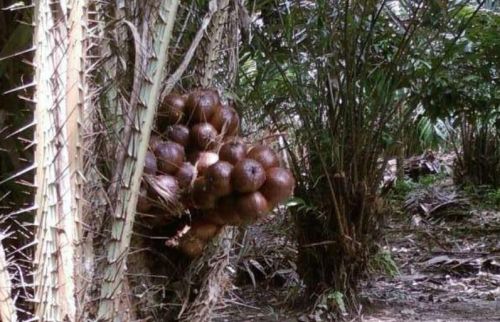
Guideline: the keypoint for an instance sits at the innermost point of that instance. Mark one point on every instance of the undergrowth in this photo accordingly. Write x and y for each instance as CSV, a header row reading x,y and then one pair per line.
x,y
383,263
483,196
402,188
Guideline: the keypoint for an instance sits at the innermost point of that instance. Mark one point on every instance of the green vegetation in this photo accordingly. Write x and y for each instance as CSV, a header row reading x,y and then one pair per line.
x,y
403,187
484,196
382,262
346,81
338,87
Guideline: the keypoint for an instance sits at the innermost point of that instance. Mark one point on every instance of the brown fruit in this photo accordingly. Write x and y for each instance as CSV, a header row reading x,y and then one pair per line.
x,y
232,152
252,206
225,212
248,176
186,175
204,160
201,196
179,134
192,155
143,202
278,187
226,121
164,186
265,156
214,216
171,111
204,229
150,166
170,157
218,177
201,105
154,140
203,135
193,247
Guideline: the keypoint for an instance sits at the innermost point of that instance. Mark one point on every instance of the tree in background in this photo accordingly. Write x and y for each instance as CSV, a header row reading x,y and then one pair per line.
x,y
468,92
339,80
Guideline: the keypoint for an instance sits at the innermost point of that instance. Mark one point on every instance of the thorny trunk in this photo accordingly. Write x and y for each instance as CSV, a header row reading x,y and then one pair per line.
x,y
131,154
333,255
59,98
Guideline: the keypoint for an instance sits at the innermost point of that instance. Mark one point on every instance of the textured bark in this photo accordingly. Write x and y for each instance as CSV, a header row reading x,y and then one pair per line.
x,y
147,86
59,37
7,306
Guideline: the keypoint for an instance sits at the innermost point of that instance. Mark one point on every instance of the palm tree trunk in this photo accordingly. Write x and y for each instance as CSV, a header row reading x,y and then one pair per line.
x,y
59,98
7,306
134,152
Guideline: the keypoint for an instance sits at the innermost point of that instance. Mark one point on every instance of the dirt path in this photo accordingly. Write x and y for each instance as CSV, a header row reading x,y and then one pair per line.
x,y
449,270
447,273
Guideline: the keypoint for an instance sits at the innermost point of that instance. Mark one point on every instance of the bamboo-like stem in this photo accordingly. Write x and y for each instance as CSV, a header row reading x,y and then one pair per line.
x,y
175,77
71,254
124,212
7,307
212,49
58,62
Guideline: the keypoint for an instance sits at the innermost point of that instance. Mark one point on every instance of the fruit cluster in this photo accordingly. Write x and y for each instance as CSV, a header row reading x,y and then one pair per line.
x,y
199,163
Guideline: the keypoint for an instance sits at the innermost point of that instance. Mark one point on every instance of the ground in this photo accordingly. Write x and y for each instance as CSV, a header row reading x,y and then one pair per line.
x,y
446,248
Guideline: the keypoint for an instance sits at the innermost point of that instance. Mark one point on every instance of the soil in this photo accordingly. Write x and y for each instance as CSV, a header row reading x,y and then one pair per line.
x,y
448,269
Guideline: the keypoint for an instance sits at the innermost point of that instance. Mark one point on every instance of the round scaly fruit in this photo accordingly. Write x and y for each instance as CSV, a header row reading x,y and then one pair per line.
x,y
232,152
170,156
225,212
150,165
154,141
201,196
192,246
248,176
186,175
218,177
203,160
226,121
252,206
203,229
171,111
279,186
178,133
215,217
164,186
203,136
143,202
201,105
264,155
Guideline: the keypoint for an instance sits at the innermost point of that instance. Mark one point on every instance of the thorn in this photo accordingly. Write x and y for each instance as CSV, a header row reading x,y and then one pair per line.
x,y
20,88
18,53
21,129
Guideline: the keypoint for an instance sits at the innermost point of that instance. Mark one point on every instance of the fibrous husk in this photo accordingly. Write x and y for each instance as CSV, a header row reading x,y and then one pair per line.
x,y
167,190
